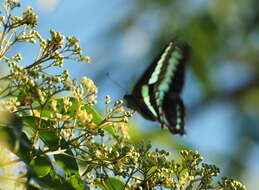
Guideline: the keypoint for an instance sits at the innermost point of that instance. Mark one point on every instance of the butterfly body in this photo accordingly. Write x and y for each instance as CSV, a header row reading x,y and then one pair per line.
x,y
156,95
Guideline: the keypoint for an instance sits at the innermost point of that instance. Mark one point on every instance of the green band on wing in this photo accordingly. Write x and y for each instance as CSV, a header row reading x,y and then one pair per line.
x,y
154,77
173,62
178,115
146,98
165,84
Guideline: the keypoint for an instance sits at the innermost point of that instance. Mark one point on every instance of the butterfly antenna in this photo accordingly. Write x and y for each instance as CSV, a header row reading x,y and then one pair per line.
x,y
115,82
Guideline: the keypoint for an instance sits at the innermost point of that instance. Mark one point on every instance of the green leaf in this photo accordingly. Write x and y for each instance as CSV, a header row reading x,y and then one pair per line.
x,y
55,182
112,183
77,182
67,163
72,109
109,129
48,136
97,118
41,166
151,171
53,141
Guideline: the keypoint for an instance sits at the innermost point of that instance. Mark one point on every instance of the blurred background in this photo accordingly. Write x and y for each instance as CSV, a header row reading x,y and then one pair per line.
x,y
221,92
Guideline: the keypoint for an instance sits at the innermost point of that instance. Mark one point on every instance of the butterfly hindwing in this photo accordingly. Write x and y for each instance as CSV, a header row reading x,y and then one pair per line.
x,y
174,113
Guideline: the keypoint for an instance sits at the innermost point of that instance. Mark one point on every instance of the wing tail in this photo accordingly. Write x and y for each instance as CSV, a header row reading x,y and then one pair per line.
x,y
174,112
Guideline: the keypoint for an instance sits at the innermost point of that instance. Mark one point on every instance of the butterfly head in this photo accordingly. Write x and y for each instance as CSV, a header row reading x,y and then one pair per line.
x,y
130,101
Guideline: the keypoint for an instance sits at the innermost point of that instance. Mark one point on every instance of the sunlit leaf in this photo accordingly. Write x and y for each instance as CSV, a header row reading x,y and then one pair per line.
x,y
112,183
41,166
151,171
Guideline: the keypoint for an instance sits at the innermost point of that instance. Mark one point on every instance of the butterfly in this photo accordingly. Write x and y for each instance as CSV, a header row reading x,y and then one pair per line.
x,y
156,95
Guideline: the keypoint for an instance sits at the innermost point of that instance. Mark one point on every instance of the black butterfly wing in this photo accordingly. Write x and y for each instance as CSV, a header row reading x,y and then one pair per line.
x,y
174,113
156,94
142,98
141,95
177,79
168,83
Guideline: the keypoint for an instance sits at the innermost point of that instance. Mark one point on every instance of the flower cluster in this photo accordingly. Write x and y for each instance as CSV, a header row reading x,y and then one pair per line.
x,y
10,104
84,117
117,112
86,91
8,174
